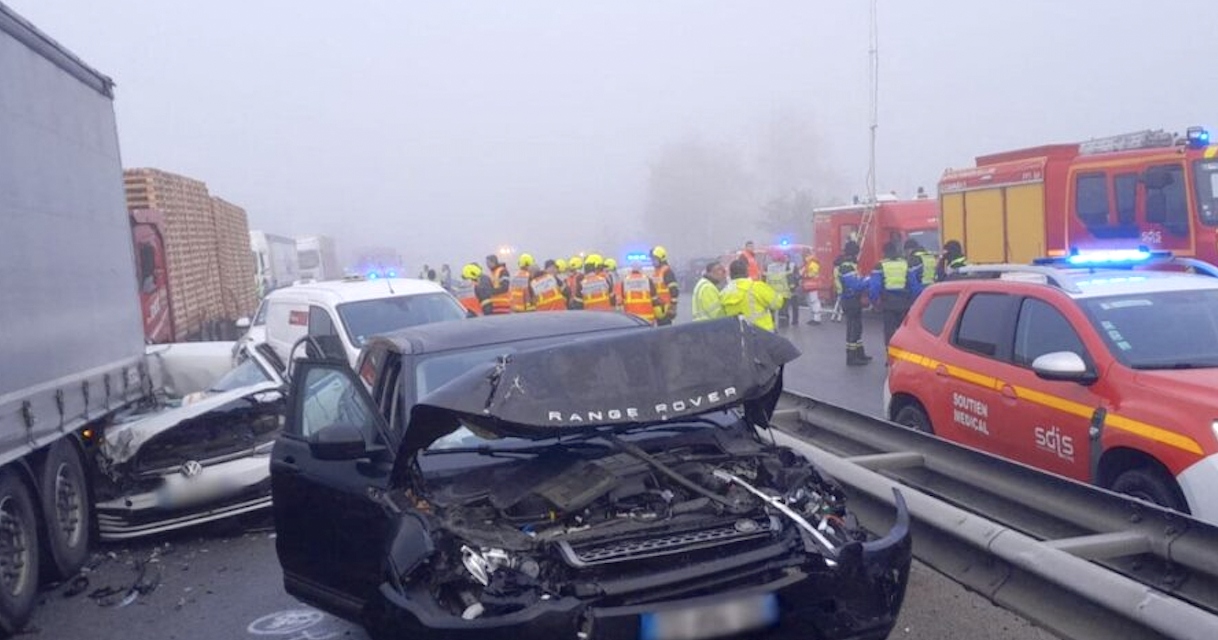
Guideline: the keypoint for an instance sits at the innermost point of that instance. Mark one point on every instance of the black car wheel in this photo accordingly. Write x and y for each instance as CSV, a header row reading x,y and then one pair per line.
x,y
18,553
915,418
65,506
1152,485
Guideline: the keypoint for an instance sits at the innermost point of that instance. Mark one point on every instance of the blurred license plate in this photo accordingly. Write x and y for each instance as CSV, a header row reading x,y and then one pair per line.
x,y
710,621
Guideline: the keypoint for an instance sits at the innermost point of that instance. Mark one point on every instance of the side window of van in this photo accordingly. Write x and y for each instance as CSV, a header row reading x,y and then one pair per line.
x,y
320,323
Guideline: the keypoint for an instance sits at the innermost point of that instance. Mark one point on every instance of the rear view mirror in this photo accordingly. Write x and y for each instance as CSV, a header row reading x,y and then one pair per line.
x,y
1064,366
338,442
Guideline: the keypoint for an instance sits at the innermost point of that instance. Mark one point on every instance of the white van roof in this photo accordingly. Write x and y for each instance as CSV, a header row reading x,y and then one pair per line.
x,y
336,292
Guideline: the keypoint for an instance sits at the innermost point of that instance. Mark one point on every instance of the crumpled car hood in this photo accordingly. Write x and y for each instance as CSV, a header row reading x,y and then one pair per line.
x,y
635,378
123,441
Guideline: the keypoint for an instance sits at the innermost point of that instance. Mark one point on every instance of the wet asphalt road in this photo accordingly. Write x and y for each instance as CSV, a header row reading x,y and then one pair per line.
x,y
224,582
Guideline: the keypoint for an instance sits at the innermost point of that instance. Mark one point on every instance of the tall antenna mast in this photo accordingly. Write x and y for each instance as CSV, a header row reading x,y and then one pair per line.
x,y
873,72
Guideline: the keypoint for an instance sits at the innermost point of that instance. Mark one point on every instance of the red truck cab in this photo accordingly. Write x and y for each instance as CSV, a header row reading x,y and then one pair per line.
x,y
894,220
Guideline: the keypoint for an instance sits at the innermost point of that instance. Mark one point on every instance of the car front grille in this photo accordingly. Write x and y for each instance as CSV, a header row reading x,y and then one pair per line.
x,y
599,553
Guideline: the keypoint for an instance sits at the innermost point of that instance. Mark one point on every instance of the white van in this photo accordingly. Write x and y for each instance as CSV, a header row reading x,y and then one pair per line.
x,y
350,310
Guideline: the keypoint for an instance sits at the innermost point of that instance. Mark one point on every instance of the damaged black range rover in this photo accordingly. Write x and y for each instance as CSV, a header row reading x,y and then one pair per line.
x,y
570,476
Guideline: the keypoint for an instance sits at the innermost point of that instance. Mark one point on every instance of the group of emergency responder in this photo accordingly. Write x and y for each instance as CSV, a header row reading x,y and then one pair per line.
x,y
590,282
767,298
892,287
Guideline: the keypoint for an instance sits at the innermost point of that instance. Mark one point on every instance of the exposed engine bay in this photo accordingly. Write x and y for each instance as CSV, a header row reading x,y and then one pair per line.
x,y
624,520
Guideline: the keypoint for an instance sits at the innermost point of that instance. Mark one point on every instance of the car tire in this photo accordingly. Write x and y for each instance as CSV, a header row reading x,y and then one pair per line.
x,y
18,553
912,416
66,510
1152,485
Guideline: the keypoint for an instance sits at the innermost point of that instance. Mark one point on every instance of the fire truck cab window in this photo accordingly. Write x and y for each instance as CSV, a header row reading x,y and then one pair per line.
x,y
1126,198
1205,174
1091,199
1166,200
147,267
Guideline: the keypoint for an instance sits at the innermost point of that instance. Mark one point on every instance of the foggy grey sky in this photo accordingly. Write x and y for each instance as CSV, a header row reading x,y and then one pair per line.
x,y
446,129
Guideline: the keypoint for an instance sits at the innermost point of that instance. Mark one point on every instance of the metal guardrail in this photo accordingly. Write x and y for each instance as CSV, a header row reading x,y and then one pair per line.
x,y
1078,560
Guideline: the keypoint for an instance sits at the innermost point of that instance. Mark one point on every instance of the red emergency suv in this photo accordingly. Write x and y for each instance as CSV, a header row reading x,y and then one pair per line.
x,y
1083,367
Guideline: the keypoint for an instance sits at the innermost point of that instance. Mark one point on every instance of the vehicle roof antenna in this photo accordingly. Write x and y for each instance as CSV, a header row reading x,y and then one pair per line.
x,y
390,285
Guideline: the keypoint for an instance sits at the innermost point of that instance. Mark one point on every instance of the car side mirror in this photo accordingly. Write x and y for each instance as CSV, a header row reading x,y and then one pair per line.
x,y
1063,366
338,442
243,323
470,314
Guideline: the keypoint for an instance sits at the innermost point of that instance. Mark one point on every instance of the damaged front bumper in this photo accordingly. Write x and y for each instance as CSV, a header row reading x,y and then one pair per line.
x,y
195,494
795,595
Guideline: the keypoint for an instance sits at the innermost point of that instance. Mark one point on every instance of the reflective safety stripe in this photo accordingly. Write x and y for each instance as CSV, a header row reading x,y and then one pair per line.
x,y
1211,153
661,286
467,295
549,295
896,273
928,266
755,313
596,292
500,302
1111,420
637,290
714,310
518,291
838,286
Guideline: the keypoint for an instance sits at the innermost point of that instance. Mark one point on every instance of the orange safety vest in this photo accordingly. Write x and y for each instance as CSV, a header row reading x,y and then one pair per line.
x,y
638,295
518,292
466,294
595,289
618,296
661,286
548,294
754,269
500,302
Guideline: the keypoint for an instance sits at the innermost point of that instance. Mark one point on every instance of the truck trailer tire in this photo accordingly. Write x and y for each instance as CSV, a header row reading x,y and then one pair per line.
x,y
18,553
65,508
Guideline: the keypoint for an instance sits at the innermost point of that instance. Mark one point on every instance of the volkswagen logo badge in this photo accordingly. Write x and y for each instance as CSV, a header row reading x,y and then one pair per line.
x,y
191,468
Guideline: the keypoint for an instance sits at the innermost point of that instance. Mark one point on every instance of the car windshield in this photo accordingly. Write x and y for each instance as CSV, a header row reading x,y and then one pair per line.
x,y
384,315
246,374
1144,331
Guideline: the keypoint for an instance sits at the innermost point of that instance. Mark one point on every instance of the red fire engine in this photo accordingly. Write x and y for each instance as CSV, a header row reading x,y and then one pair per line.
x,y
1152,189
894,220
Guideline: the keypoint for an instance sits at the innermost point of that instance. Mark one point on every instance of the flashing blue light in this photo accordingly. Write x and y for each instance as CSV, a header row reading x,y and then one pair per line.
x,y
638,257
1198,137
372,275
784,242
392,274
1109,257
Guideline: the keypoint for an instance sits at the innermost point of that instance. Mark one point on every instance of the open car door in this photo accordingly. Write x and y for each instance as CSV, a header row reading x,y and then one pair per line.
x,y
329,471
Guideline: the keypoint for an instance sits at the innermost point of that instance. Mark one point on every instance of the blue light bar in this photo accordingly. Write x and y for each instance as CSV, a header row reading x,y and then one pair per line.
x,y
785,242
1112,256
1198,137
392,274
372,275
637,257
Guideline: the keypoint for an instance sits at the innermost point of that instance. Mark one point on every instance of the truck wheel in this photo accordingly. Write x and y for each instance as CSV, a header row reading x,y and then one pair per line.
x,y
65,506
18,553
1152,485
913,417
